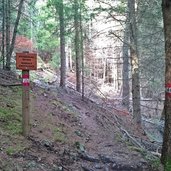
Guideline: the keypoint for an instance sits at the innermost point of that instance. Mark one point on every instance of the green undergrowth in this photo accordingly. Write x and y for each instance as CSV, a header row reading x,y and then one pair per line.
x,y
11,150
10,109
11,141
59,135
154,162
12,144
167,166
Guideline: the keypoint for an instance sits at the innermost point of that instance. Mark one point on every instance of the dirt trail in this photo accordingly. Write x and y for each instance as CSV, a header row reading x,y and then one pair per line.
x,y
68,134
77,135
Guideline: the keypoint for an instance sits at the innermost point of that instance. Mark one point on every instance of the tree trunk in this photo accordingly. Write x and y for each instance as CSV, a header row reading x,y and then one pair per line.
x,y
67,54
134,63
70,58
166,149
8,57
3,34
15,28
82,50
104,68
77,47
10,46
135,88
125,69
62,44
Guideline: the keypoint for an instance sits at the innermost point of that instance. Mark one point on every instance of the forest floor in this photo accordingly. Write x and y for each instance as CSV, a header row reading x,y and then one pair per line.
x,y
69,134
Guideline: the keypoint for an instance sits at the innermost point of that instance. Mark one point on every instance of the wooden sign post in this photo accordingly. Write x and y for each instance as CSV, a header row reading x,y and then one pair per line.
x,y
25,62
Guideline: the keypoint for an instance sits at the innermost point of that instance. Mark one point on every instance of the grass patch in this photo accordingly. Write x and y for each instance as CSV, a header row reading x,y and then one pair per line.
x,y
118,137
59,135
155,163
7,114
10,111
152,160
167,166
14,127
17,91
134,148
10,120
11,150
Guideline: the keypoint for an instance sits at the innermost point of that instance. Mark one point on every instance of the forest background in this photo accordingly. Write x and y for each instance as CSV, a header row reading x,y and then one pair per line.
x,y
115,48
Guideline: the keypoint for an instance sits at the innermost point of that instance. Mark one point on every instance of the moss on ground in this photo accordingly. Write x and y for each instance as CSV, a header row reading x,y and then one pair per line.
x,y
59,134
11,150
10,109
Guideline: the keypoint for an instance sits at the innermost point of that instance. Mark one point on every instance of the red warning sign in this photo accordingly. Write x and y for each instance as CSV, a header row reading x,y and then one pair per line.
x,y
26,80
26,61
168,90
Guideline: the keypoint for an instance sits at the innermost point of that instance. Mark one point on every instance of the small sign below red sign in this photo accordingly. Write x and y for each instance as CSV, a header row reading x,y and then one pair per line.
x,y
26,61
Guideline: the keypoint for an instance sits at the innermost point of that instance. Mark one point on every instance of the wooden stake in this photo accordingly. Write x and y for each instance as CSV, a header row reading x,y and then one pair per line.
x,y
25,103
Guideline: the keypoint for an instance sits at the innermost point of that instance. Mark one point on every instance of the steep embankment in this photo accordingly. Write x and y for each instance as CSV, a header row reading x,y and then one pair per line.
x,y
66,134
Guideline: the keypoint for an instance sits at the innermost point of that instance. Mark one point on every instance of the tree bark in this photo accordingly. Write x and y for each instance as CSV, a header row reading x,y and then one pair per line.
x,y
70,58
8,57
62,44
15,28
135,88
134,63
10,45
125,69
82,50
3,34
77,47
166,149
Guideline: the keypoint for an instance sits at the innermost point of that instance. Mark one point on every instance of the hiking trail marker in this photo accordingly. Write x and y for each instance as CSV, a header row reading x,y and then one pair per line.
x,y
26,61
168,90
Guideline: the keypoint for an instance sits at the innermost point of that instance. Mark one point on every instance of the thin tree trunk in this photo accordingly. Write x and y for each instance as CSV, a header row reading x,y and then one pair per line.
x,y
119,86
3,34
10,47
82,50
135,87
8,57
163,114
67,55
77,47
115,79
104,69
31,24
16,26
70,58
166,149
125,69
134,63
62,44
